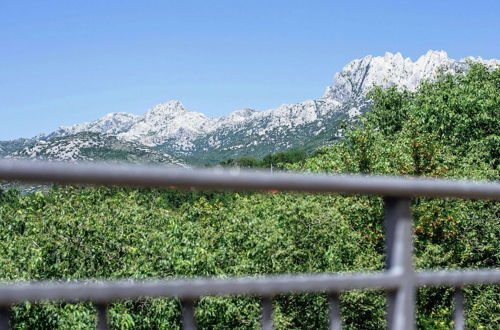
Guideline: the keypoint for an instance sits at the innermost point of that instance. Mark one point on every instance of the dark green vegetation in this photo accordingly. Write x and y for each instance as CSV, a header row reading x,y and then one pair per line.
x,y
278,160
448,128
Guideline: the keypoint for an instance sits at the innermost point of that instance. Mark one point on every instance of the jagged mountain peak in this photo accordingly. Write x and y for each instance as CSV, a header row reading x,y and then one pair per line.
x,y
238,115
169,108
431,53
245,112
393,56
360,75
490,63
164,121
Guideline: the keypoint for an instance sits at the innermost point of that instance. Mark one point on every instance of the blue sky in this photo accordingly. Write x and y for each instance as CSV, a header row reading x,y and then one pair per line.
x,y
64,62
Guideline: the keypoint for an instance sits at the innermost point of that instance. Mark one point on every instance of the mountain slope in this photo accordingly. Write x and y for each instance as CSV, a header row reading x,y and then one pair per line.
x,y
112,123
88,146
288,126
9,147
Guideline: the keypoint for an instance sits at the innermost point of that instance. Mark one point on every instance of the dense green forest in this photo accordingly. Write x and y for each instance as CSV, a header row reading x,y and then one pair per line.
x,y
448,128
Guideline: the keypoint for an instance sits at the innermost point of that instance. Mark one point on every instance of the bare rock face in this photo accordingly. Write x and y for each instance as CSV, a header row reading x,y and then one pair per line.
x,y
360,75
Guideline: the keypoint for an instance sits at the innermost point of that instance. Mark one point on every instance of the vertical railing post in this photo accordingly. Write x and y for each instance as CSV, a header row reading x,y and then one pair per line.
x,y
267,313
399,249
188,317
458,313
4,318
335,321
102,316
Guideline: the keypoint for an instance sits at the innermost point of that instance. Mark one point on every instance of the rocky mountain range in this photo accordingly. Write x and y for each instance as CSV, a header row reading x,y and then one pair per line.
x,y
169,132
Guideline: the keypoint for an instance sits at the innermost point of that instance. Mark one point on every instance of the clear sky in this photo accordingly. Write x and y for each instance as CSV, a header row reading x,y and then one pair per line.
x,y
69,61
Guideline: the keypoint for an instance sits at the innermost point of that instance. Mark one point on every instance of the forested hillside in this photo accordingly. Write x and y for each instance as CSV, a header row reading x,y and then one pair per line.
x,y
447,128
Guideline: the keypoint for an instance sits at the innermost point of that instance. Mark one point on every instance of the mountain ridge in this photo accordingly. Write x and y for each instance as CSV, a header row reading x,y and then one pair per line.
x,y
172,129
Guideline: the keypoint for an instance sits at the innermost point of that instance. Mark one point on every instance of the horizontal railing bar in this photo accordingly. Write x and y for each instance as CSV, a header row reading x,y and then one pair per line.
x,y
241,180
458,278
107,291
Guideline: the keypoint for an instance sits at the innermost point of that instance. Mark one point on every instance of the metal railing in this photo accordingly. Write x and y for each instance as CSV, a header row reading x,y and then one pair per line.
x,y
400,280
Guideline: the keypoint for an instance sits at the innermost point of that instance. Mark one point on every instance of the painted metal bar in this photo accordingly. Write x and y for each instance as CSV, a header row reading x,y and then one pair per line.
x,y
398,226
188,318
108,291
334,309
458,313
4,318
267,313
102,316
458,277
241,180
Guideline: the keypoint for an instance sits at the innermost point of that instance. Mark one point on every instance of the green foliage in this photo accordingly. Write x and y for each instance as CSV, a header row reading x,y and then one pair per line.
x,y
284,158
9,196
277,160
448,128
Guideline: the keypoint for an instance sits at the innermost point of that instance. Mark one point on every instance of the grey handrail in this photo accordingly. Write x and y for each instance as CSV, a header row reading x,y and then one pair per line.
x,y
242,180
